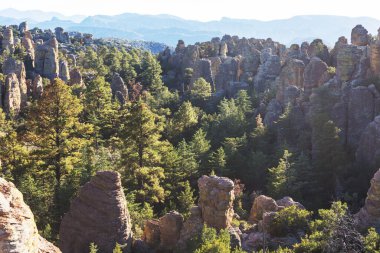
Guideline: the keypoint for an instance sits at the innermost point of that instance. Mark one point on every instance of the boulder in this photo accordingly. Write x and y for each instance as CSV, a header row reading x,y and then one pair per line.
x,y
315,75
261,205
287,202
191,227
28,44
99,214
359,36
369,215
368,152
18,229
119,89
151,234
216,198
46,63
64,72
170,226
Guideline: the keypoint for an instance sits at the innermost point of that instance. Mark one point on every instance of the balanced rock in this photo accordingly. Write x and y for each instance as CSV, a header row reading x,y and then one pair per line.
x,y
261,205
369,215
47,64
216,198
119,89
99,214
28,44
359,36
18,230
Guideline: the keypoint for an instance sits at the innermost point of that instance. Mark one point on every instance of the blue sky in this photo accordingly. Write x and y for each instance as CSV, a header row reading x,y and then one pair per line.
x,y
204,9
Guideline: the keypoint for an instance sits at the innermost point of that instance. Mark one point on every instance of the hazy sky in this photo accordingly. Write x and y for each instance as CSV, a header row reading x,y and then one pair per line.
x,y
204,9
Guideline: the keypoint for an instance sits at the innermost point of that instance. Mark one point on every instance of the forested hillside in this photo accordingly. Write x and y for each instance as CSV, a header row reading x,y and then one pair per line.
x,y
276,146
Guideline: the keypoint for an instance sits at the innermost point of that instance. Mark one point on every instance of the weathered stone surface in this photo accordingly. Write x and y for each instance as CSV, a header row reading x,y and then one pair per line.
x,y
46,62
191,227
368,152
202,69
318,49
12,96
352,63
273,112
375,59
229,71
12,66
342,41
216,198
28,44
292,74
261,205
152,233
119,89
170,228
315,75
287,202
269,69
76,77
359,36
64,72
8,40
369,215
37,87
62,37
23,27
99,214
18,230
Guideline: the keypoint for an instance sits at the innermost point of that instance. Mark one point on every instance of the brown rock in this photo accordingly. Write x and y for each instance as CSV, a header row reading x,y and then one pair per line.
x,y
359,36
369,215
191,227
342,41
64,72
152,233
261,205
375,59
12,96
349,63
28,44
288,201
119,89
8,40
18,230
170,228
315,75
46,62
99,214
216,198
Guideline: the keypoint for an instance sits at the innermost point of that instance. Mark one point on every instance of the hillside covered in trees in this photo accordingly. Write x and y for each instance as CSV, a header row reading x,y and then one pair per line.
x,y
239,145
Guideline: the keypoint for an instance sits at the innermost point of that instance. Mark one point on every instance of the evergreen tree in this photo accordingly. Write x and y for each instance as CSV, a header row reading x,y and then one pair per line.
x,y
187,166
184,119
217,162
56,134
200,91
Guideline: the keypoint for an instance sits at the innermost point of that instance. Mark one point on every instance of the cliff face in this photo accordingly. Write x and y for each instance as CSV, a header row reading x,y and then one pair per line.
x,y
18,230
99,214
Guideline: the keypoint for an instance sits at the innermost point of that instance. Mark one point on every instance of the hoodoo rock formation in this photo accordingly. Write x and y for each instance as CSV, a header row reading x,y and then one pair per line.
x,y
119,89
369,215
359,36
368,152
47,63
99,214
216,198
18,231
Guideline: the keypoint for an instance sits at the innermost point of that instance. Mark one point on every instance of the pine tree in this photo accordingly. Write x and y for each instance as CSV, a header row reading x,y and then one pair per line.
x,y
185,198
187,166
93,248
217,162
281,178
200,91
56,134
117,249
184,119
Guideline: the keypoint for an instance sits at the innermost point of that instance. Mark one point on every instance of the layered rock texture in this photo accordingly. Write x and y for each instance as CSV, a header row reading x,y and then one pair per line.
x,y
369,215
368,152
99,214
18,230
216,198
46,62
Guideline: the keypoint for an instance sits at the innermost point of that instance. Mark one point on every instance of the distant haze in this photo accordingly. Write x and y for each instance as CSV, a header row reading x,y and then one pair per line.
x,y
204,10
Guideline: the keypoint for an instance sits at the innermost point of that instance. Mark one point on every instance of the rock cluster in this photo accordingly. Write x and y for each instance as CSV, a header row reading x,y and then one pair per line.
x,y
369,215
8,40
119,89
99,214
359,36
18,230
368,152
46,61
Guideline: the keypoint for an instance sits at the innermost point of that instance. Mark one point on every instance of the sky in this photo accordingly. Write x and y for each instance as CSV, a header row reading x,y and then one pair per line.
x,y
204,10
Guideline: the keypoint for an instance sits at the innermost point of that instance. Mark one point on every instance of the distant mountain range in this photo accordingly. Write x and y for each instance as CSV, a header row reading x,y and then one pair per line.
x,y
169,29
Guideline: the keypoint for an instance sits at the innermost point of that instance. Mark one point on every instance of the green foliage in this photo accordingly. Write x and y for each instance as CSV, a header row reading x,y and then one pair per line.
x,y
185,199
117,249
281,178
290,220
138,213
217,162
200,91
93,248
372,241
211,241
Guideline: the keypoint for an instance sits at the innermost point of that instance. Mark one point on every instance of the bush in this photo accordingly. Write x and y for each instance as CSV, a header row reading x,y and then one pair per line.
x,y
290,220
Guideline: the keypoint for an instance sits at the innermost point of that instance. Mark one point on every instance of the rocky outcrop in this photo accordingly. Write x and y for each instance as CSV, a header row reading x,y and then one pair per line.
x,y
375,59
273,112
342,41
76,77
191,227
170,228
119,89
28,44
151,234
359,36
46,63
229,72
216,198
37,87
352,63
12,96
8,40
368,152
64,72
18,230
268,71
23,27
315,75
318,49
261,205
62,37
202,69
369,215
99,214
13,66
